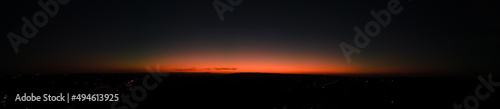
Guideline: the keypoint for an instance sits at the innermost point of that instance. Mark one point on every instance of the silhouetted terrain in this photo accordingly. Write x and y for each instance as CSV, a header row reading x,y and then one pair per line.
x,y
251,91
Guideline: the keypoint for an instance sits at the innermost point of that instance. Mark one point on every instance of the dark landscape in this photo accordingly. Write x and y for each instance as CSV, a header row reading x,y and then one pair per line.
x,y
251,91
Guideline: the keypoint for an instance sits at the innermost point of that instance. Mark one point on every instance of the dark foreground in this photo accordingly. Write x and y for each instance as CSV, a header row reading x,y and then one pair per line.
x,y
251,91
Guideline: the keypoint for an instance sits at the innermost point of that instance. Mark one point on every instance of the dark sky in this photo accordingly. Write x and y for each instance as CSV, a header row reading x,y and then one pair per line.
x,y
283,36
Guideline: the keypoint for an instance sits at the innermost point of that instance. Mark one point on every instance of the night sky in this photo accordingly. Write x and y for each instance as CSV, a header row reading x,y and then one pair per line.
x,y
268,36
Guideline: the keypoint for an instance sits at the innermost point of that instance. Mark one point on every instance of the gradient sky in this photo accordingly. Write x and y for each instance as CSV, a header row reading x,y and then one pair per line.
x,y
275,36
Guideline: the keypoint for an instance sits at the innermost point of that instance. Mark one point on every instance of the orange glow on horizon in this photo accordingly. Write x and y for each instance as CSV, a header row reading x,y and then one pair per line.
x,y
253,61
